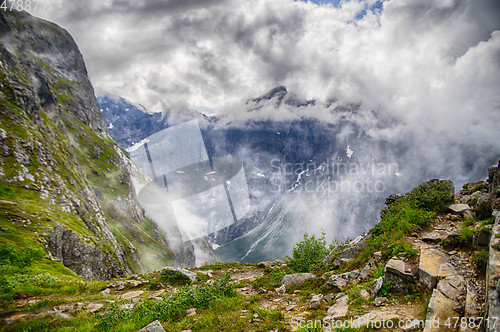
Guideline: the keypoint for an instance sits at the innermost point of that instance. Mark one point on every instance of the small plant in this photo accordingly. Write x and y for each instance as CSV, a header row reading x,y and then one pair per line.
x,y
174,277
308,253
484,210
480,259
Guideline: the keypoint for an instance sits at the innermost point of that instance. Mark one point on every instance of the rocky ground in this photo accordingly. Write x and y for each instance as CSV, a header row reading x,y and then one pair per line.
x,y
444,279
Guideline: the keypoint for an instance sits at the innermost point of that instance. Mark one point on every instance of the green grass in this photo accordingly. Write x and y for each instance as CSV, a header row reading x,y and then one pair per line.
x,y
171,309
413,212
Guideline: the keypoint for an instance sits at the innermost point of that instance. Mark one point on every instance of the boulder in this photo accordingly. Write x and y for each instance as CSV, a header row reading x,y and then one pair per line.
x,y
281,290
336,250
132,295
153,327
93,307
371,265
339,309
191,312
494,179
316,301
364,293
446,302
400,273
429,265
458,208
392,198
379,301
343,262
345,250
439,235
348,252
338,282
329,297
376,286
296,278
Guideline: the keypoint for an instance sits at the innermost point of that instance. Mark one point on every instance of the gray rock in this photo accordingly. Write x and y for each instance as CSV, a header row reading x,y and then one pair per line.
x,y
338,282
371,265
316,301
343,262
93,307
276,262
281,290
392,198
376,286
445,302
400,273
329,297
296,278
153,327
345,250
339,309
493,272
459,207
379,301
429,266
335,251
131,295
191,312
364,293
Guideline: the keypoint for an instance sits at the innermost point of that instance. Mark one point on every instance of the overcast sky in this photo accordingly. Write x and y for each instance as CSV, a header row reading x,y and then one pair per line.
x,y
433,63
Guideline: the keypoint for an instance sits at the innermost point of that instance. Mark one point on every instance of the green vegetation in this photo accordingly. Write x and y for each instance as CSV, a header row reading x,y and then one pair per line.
x,y
484,211
413,212
480,259
15,257
171,277
171,309
307,255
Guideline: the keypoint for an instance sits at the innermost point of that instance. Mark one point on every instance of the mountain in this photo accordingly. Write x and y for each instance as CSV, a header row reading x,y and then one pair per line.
x,y
66,188
291,168
309,166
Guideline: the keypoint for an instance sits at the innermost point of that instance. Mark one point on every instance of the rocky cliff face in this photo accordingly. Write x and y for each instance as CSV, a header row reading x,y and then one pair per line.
x,y
65,186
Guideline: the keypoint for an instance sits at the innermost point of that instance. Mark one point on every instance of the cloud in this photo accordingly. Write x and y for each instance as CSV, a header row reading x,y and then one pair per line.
x,y
431,64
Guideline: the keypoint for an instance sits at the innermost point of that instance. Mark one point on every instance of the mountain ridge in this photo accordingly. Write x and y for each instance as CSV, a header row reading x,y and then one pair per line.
x,y
71,184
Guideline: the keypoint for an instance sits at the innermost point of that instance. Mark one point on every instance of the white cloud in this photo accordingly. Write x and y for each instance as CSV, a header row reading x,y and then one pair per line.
x,y
432,63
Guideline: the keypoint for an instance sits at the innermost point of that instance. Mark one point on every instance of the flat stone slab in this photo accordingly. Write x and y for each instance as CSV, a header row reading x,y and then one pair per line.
x,y
439,310
339,309
93,307
429,266
131,295
459,207
296,278
400,268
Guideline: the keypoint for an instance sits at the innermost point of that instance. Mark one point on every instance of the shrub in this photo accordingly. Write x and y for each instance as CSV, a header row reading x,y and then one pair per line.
x,y
484,210
432,195
480,259
308,253
174,277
